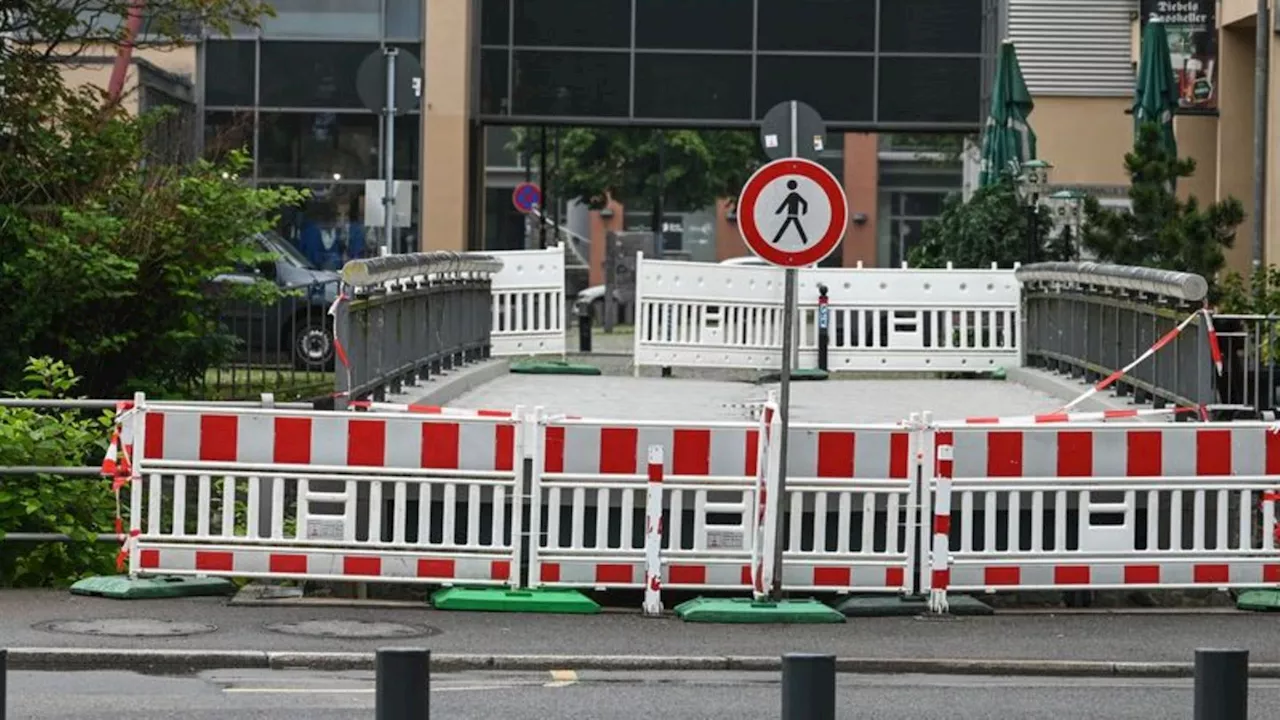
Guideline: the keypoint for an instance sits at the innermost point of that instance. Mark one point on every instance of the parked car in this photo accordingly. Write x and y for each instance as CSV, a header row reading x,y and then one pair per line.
x,y
593,297
295,330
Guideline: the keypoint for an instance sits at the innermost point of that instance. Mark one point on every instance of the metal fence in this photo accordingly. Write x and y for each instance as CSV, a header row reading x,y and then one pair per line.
x,y
1089,320
403,318
1250,380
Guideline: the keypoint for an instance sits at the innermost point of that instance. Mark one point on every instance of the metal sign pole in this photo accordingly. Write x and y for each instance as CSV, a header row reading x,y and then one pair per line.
x,y
388,160
784,398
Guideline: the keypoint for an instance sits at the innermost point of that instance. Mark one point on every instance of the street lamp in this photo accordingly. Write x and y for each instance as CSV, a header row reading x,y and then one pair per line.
x,y
1033,184
1068,210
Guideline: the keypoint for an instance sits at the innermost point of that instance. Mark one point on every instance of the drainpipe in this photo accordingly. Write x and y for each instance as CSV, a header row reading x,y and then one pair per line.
x,y
1261,96
125,54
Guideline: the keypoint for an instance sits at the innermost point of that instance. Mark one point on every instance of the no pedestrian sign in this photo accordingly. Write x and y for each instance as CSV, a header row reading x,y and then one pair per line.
x,y
792,212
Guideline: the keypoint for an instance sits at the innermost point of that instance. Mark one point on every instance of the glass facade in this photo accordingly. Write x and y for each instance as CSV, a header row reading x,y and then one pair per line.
x,y
287,95
916,175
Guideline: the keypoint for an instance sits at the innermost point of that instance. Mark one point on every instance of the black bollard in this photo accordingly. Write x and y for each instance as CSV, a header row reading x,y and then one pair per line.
x,y
403,684
808,687
4,673
824,336
1222,685
584,327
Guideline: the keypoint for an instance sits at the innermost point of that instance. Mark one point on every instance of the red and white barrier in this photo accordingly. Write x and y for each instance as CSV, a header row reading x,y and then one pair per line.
x,y
940,555
653,536
425,409
1104,416
767,503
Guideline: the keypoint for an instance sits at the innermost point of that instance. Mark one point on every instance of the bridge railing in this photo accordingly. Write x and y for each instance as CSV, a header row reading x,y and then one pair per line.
x,y
401,318
1090,320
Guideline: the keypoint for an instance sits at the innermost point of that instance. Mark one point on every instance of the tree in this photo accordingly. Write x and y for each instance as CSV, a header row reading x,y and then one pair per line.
x,y
991,228
1162,231
689,168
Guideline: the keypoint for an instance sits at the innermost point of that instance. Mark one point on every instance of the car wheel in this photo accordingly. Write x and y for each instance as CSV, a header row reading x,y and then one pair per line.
x,y
313,346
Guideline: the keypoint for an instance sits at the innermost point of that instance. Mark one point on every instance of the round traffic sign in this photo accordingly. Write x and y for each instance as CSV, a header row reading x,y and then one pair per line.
x,y
526,196
792,212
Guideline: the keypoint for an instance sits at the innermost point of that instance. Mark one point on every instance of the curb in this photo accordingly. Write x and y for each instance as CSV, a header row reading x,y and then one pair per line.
x,y
177,661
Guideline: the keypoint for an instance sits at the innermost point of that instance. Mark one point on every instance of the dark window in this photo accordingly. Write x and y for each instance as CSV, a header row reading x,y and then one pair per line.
x,y
839,88
694,24
323,18
504,226
917,203
705,87
232,81
325,145
226,131
931,26
571,83
903,236
493,83
495,22
497,150
929,89
815,25
312,74
573,23
404,19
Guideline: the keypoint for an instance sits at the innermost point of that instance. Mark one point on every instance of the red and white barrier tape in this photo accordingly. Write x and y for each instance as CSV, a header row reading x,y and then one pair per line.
x,y
940,557
1215,350
1062,417
1113,377
426,409
653,535
338,349
117,464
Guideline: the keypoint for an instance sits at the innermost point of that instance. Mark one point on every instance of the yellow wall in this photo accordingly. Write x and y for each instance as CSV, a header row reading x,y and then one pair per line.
x,y
1084,138
91,70
446,89
1235,134
1197,137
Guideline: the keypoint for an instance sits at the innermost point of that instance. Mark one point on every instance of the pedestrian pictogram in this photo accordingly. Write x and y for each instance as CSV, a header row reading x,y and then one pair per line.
x,y
526,197
792,212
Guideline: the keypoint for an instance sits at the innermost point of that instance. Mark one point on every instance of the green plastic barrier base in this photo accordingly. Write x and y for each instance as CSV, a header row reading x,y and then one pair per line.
x,y
799,375
553,367
898,606
1259,600
999,374
748,611
123,587
541,600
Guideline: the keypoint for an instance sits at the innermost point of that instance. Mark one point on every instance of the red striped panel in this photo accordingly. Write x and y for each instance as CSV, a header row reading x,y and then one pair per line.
x,y
440,445
287,564
1215,573
1213,452
1271,573
218,435
500,570
941,579
744,576
894,577
549,572
1141,574
292,444
613,573
154,447
941,524
751,464
371,566
832,576
945,468
1004,454
997,576
149,559
1144,448
688,575
553,451
1071,575
692,452
1075,453
366,443
618,451
215,561
1273,452
504,448
493,413
428,568
835,454
899,456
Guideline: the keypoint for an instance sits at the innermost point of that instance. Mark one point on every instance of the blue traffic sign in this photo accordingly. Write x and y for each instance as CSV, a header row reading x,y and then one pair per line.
x,y
526,196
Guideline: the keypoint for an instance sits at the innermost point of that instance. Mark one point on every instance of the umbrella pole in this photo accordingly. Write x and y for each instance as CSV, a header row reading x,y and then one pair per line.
x,y
1260,100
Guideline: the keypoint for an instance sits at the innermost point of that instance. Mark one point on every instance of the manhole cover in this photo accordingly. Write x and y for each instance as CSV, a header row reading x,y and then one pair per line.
x,y
350,629
127,627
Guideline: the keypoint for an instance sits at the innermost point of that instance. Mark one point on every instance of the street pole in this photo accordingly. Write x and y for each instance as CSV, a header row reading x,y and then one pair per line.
x,y
1221,685
824,317
784,397
1033,232
542,185
389,158
4,682
1261,96
403,684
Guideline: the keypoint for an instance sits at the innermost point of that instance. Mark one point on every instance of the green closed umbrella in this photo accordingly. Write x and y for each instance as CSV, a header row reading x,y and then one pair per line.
x,y
1007,140
1155,96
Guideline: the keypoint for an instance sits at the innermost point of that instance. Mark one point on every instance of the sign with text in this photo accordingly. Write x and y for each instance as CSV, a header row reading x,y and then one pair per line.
x,y
1193,47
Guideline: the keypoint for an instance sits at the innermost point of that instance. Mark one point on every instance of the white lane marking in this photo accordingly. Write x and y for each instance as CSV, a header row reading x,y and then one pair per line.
x,y
562,678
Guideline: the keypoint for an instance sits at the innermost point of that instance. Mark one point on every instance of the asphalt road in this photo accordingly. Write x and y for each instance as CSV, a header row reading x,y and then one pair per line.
x,y
25,617
285,695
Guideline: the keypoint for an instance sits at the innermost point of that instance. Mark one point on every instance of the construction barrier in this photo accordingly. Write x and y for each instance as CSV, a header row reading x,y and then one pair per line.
x,y
528,303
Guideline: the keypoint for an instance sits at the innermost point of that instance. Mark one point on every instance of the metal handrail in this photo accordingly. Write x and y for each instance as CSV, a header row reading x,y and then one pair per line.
x,y
373,271
1169,283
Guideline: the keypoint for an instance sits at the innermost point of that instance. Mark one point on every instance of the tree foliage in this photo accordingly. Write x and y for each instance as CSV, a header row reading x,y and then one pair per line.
x,y
993,227
1162,231
105,253
691,168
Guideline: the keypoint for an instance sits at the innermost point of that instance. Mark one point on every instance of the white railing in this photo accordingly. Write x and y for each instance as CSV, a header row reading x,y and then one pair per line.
x,y
528,303
730,316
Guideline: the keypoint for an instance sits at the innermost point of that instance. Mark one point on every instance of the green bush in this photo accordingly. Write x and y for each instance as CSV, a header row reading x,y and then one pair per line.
x,y
79,507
